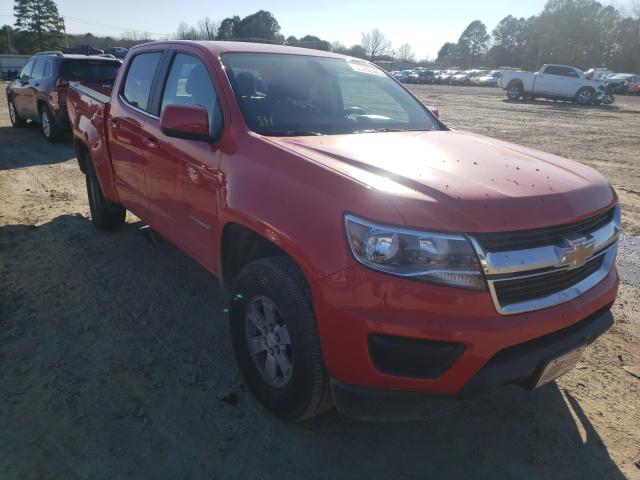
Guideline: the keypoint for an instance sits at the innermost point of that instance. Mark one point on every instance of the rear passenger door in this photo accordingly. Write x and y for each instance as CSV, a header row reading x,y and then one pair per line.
x,y
183,175
129,111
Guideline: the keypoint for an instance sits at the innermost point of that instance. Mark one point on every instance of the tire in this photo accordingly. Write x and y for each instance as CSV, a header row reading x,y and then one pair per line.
x,y
105,215
50,129
585,96
16,120
514,91
297,385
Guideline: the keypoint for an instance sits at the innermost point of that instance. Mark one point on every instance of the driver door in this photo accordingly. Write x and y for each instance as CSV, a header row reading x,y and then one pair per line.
x,y
21,89
551,81
182,175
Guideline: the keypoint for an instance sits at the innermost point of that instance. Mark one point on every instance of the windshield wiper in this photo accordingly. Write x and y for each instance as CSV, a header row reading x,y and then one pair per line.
x,y
385,129
292,133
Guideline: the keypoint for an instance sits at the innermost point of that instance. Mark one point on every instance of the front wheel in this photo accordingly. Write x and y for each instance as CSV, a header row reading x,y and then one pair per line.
x,y
275,339
14,116
585,96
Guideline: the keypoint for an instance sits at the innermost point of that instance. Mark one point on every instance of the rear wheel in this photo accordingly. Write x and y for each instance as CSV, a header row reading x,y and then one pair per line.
x,y
585,96
15,118
275,339
514,91
104,213
50,129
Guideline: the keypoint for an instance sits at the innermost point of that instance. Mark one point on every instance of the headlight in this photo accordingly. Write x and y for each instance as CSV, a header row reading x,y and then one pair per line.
x,y
431,257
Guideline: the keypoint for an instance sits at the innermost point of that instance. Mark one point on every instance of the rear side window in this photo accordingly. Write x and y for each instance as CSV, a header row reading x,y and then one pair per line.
x,y
89,71
137,85
189,83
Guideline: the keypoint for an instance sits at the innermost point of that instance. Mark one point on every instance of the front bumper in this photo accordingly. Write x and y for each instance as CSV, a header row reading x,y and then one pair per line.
x,y
356,303
520,364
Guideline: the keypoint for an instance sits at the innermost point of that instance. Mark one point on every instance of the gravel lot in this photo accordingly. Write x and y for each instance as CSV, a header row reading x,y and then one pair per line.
x,y
115,359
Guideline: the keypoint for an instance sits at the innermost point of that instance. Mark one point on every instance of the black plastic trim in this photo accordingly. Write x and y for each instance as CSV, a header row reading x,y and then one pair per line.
x,y
412,357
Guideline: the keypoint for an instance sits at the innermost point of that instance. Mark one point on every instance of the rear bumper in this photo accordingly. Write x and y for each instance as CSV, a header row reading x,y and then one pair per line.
x,y
520,364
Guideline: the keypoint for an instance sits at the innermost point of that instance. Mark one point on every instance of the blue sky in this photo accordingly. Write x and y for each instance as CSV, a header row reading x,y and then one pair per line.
x,y
425,24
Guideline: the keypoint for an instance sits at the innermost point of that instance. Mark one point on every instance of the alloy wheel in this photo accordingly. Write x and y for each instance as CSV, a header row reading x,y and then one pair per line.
x,y
585,97
269,342
12,112
513,93
46,123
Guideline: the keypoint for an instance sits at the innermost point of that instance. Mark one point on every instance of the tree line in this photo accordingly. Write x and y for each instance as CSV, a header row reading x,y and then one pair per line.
x,y
583,33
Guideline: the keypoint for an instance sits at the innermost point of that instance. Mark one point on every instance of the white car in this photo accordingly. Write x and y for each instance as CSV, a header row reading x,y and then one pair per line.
x,y
556,82
489,79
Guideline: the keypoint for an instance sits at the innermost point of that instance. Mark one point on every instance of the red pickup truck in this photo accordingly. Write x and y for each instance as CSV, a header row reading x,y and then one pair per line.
x,y
374,257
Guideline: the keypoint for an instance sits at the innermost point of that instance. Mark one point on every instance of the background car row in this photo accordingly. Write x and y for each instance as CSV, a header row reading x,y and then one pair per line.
x,y
620,83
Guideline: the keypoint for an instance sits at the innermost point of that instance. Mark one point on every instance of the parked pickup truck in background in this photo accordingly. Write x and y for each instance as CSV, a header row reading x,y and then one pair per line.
x,y
556,82
372,255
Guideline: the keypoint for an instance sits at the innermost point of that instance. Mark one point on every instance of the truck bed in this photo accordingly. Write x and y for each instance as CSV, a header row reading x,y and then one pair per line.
x,y
88,110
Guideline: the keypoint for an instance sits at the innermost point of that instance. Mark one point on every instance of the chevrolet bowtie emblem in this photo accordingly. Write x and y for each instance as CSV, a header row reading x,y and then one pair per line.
x,y
577,250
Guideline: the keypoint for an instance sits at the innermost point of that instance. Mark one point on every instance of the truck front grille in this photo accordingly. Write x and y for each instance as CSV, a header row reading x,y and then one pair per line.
x,y
534,269
523,239
522,289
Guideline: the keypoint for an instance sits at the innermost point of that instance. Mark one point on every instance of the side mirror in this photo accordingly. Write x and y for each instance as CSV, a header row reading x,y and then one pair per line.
x,y
190,122
24,78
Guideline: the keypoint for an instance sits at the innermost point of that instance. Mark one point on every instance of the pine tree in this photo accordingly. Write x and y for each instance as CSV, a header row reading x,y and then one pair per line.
x,y
39,18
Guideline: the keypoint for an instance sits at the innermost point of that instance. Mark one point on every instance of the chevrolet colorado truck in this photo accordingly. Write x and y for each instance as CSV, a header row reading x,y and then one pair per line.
x,y
373,256
558,82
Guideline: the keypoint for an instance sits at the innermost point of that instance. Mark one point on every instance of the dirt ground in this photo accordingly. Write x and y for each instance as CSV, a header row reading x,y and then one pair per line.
x,y
115,359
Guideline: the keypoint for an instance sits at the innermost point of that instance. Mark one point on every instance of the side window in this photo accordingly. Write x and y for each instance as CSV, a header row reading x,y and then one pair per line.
x,y
27,69
38,69
47,69
552,70
568,72
137,85
189,83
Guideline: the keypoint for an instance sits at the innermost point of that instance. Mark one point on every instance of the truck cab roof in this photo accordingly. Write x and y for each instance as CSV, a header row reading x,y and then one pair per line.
x,y
221,47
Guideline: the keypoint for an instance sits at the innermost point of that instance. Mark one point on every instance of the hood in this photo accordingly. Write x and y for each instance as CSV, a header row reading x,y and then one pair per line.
x,y
456,181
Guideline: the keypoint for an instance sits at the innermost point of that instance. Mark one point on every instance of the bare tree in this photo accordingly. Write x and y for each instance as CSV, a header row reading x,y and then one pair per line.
x,y
405,53
337,47
186,32
208,29
375,44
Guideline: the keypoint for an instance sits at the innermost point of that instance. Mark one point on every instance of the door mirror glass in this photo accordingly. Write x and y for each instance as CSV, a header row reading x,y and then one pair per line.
x,y
186,121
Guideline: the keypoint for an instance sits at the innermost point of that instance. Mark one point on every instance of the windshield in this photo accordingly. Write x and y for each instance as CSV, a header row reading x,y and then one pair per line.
x,y
89,71
283,94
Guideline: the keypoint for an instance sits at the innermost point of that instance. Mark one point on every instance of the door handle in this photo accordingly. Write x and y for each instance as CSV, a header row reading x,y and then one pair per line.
x,y
113,124
150,142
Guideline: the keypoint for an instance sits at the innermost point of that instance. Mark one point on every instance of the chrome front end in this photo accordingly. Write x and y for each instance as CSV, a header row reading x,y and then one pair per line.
x,y
557,270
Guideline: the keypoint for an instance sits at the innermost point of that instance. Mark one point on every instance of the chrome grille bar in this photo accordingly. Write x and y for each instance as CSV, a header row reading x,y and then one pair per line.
x,y
571,252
